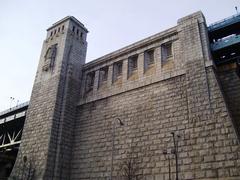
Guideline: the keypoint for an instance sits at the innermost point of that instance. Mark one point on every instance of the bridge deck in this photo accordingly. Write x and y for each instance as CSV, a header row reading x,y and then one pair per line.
x,y
224,23
225,42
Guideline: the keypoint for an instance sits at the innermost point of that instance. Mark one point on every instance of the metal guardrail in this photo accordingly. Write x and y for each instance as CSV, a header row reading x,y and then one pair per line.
x,y
13,117
225,21
14,108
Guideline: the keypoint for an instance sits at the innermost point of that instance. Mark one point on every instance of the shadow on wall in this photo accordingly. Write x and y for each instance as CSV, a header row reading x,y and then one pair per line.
x,y
26,170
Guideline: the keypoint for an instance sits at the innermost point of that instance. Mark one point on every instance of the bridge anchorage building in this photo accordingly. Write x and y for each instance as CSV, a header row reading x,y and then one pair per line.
x,y
183,81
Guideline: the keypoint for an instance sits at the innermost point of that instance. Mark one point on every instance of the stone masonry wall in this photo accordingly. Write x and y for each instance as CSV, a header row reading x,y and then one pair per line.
x,y
48,130
231,88
188,101
143,76
149,113
36,131
225,144
68,130
208,147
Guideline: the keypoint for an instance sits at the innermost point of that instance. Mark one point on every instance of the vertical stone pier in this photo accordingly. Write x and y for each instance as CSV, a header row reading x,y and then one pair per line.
x,y
45,150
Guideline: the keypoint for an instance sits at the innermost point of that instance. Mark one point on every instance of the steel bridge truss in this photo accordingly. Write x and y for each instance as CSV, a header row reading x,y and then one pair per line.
x,y
10,139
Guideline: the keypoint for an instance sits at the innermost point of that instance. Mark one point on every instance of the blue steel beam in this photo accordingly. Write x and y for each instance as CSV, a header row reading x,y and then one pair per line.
x,y
226,42
224,23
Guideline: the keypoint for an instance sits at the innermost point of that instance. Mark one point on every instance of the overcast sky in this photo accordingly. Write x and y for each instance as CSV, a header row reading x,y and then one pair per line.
x,y
112,24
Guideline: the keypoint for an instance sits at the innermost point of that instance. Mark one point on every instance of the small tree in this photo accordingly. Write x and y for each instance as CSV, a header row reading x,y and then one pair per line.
x,y
129,167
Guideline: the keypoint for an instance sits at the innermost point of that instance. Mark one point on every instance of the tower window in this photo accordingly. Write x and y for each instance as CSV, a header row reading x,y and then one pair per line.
x,y
59,29
55,31
51,33
73,29
81,35
77,31
62,27
166,51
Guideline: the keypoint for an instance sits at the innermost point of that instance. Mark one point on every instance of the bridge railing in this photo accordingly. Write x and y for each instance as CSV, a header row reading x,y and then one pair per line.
x,y
14,108
225,21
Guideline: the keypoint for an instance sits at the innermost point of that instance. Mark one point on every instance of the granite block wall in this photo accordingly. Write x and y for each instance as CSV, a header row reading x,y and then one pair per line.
x,y
47,136
149,113
230,86
182,96
69,125
190,105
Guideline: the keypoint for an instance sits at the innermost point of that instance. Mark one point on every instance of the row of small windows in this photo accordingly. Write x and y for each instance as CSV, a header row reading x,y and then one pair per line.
x,y
74,29
149,58
57,30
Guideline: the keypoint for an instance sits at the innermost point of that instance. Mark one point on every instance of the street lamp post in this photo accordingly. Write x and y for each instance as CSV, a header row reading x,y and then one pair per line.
x,y
24,166
167,155
175,152
11,100
113,138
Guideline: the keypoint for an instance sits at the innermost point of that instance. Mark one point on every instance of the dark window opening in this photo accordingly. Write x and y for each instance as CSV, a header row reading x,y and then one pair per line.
x,y
62,27
166,51
77,31
149,57
103,74
59,29
73,29
90,81
117,70
132,64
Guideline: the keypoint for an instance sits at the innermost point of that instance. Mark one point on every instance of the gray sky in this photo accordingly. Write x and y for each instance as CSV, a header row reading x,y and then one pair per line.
x,y
112,24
